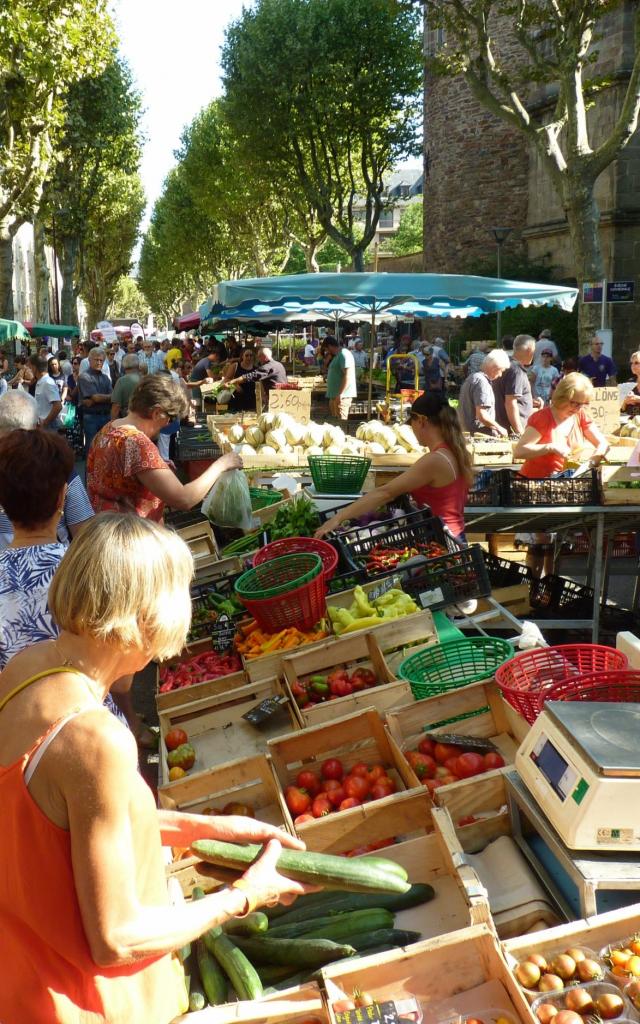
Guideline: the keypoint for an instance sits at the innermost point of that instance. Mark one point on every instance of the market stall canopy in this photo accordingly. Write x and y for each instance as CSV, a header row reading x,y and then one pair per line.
x,y
51,330
12,329
188,322
448,295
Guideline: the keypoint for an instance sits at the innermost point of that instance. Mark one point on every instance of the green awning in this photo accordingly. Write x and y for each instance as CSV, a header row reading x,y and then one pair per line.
x,y
53,330
12,329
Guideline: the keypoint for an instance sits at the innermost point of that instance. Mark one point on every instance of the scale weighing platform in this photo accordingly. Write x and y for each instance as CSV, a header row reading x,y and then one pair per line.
x,y
574,802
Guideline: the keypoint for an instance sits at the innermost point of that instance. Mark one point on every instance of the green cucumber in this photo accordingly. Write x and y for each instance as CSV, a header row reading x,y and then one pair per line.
x,y
385,936
213,980
272,974
291,979
342,873
305,908
383,864
197,997
294,952
338,927
240,971
255,923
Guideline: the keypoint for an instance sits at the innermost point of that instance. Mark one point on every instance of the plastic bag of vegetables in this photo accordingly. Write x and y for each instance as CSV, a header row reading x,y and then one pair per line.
x,y
228,503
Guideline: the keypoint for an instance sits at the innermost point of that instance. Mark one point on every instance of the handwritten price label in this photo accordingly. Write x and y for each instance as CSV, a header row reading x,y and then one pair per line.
x,y
296,404
605,409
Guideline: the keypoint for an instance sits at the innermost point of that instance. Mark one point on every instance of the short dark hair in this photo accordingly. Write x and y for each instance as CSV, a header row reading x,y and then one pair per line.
x,y
28,495
39,363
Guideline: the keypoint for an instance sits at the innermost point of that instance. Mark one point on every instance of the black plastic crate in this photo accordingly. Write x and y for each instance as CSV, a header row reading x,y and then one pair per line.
x,y
487,489
448,579
178,520
505,573
199,595
556,596
406,530
520,490
189,451
346,580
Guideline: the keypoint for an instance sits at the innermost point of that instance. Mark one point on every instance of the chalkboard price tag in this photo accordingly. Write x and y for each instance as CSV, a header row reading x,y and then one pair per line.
x,y
472,743
405,1011
223,633
382,588
267,709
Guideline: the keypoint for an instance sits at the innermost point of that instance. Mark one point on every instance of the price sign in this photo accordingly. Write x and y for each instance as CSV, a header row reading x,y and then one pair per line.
x,y
296,403
382,588
473,743
605,409
269,707
223,633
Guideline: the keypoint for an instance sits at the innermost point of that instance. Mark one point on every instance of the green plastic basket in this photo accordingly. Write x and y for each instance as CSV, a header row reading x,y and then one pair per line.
x,y
453,664
262,497
338,474
278,576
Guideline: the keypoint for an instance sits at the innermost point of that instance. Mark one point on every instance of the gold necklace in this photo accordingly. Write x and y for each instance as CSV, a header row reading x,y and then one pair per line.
x,y
68,663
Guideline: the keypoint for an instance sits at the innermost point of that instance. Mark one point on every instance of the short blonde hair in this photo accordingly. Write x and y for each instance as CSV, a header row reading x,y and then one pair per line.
x,y
571,385
634,355
125,581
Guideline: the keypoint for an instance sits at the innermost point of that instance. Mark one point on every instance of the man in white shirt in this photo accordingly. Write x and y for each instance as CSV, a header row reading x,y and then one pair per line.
x,y
152,360
545,343
360,357
47,395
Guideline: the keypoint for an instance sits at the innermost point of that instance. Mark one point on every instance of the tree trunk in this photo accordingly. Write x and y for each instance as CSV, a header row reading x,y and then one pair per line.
x,y
68,271
583,217
6,271
357,257
42,275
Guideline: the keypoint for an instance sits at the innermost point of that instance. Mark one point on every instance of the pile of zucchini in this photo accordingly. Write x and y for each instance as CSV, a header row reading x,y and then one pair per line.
x,y
285,946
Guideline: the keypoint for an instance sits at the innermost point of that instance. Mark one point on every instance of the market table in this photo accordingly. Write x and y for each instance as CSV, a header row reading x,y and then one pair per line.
x,y
603,519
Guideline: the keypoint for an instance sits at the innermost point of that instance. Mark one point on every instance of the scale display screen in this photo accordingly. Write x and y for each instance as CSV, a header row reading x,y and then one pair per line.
x,y
557,771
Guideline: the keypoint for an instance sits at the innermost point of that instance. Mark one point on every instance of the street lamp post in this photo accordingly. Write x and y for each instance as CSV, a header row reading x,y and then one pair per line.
x,y
500,235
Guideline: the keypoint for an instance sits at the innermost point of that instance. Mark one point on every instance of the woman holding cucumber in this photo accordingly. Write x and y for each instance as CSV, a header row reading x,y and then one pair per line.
x,y
86,927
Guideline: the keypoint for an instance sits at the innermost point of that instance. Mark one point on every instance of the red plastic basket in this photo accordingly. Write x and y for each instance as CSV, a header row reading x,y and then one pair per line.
x,y
303,605
525,680
291,545
606,687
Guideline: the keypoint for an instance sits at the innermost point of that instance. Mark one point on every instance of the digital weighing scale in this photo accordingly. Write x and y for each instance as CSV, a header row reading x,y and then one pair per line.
x,y
581,763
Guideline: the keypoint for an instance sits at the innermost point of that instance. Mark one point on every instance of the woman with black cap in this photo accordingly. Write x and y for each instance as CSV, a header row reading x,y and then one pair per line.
x,y
439,479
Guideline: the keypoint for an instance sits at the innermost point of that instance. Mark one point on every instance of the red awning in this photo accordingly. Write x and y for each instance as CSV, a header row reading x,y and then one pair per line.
x,y
188,322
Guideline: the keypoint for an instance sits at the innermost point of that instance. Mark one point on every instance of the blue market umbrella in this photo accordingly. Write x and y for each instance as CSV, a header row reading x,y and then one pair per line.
x,y
443,295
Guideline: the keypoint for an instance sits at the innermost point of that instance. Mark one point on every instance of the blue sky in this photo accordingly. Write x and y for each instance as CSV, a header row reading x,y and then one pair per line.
x,y
173,47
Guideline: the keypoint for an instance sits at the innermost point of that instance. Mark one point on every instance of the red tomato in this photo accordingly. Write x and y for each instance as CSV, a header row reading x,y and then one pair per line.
x,y
175,738
349,802
380,845
321,806
424,766
441,771
469,764
355,785
468,820
361,769
426,746
307,780
330,784
493,760
381,789
377,772
300,820
443,751
332,769
451,764
336,796
448,779
297,801
433,784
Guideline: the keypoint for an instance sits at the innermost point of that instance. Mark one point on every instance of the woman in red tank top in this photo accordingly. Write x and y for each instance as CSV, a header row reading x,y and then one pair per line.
x,y
439,479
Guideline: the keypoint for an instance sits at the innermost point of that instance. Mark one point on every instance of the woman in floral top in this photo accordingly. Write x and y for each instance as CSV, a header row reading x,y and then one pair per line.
x,y
125,471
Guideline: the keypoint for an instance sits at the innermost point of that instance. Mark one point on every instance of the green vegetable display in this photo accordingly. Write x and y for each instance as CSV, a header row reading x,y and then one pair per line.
x,y
298,518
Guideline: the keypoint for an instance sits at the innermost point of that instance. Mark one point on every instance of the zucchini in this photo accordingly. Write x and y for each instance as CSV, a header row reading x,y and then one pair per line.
x,y
255,923
384,864
338,927
197,998
292,979
271,974
241,973
305,908
342,873
384,936
294,952
213,980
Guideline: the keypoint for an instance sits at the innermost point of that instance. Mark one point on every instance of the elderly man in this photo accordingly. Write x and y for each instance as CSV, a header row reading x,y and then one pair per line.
x,y
477,402
269,371
46,394
94,391
514,400
360,357
150,358
125,386
600,369
475,360
18,411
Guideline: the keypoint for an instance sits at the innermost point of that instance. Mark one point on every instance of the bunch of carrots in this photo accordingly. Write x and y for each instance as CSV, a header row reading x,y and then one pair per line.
x,y
253,642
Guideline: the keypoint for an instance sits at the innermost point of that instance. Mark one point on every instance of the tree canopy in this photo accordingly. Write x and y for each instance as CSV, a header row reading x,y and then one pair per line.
x,y
409,236
327,94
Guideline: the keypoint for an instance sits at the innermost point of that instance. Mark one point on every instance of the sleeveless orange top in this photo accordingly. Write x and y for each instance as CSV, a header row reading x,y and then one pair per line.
x,y
48,974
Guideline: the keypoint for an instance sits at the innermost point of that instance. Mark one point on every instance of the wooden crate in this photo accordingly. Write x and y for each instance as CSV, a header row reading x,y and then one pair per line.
x,y
293,1006
208,688
216,728
201,542
211,569
270,665
392,633
250,781
407,725
620,474
349,652
458,974
515,599
269,512
403,816
357,737
486,801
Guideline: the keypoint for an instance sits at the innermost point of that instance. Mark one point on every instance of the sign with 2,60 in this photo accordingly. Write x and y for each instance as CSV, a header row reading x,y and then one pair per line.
x,y
296,403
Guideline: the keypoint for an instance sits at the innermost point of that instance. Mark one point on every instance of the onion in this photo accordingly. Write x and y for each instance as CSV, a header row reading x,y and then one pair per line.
x,y
546,1012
